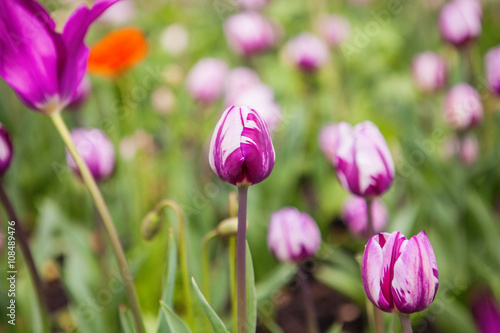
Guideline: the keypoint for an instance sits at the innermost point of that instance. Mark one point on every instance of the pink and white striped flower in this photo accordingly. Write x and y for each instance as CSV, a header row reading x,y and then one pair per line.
x,y
355,217
241,150
307,52
429,72
293,236
400,275
329,137
205,80
463,107
363,161
460,21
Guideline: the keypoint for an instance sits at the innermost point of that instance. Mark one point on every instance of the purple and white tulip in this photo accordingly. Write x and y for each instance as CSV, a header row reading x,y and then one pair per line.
x,y
249,33
293,236
238,80
492,61
429,72
334,29
355,217
329,137
486,311
467,149
400,275
96,150
363,161
42,66
460,21
307,52
463,108
241,150
5,150
205,81
253,4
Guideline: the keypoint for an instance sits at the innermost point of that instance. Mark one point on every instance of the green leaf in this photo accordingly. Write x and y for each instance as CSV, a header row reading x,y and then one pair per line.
x,y
342,281
276,279
168,283
251,295
336,328
174,323
214,320
126,320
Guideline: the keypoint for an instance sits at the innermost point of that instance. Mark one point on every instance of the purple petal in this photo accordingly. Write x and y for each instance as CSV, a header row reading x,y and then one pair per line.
x,y
371,269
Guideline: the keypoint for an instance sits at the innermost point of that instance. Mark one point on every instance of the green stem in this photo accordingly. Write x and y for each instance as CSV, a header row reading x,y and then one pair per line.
x,y
28,257
406,323
307,298
232,282
379,320
241,238
89,181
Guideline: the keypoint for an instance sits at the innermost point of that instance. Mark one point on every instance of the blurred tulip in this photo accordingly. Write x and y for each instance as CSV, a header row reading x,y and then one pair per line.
x,y
240,79
253,4
460,21
205,80
163,100
463,107
363,161
118,52
82,93
329,138
293,236
354,215
249,33
97,151
486,311
174,39
429,72
307,52
123,12
334,29
466,147
241,150
43,66
492,61
400,275
5,150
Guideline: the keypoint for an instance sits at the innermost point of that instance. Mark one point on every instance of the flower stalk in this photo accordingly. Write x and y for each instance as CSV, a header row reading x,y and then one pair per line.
x,y
406,323
307,297
241,259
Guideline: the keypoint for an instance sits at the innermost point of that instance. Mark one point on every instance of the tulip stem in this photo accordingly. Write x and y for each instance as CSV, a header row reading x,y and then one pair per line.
x,y
20,236
107,221
232,282
241,238
379,320
370,231
307,298
406,323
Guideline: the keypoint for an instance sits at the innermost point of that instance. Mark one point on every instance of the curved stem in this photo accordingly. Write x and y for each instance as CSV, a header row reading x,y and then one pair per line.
x,y
241,238
406,323
312,322
89,181
28,257
232,282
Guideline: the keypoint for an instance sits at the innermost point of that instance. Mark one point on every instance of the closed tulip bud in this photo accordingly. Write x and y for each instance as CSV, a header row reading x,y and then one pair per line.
x,y
463,108
307,52
249,33
363,161
355,217
5,150
400,275
460,21
238,80
334,29
96,150
293,236
253,4
486,311
492,61
329,138
241,150
429,72
205,80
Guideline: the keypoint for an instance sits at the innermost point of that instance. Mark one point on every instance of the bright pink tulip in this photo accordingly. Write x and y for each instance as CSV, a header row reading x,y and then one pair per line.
x,y
486,311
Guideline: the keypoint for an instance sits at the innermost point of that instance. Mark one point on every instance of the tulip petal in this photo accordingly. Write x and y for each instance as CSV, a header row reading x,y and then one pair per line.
x,y
371,267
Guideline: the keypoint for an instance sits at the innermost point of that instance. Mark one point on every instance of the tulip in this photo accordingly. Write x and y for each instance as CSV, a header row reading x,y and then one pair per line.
x,y
400,275
238,80
175,39
363,161
42,66
81,94
253,4
205,80
486,311
97,151
329,138
334,29
492,61
463,108
118,52
466,147
460,21
241,151
293,236
249,33
307,52
5,150
429,72
354,215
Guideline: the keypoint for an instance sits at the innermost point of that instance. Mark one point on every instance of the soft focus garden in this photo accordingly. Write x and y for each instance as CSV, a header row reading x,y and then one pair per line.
x,y
250,166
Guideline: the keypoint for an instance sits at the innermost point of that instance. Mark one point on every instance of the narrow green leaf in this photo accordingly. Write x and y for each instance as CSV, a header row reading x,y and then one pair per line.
x,y
168,283
214,320
126,320
336,328
251,295
174,323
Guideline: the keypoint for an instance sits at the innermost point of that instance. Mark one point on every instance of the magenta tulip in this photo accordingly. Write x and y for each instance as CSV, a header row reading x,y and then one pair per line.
x,y
355,217
486,311
307,52
429,72
334,29
241,150
249,33
205,81
5,150
42,66
400,275
363,161
329,137
96,150
492,61
293,236
460,21
463,108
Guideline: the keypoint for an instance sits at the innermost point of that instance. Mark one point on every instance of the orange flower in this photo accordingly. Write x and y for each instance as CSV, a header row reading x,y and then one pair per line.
x,y
117,52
